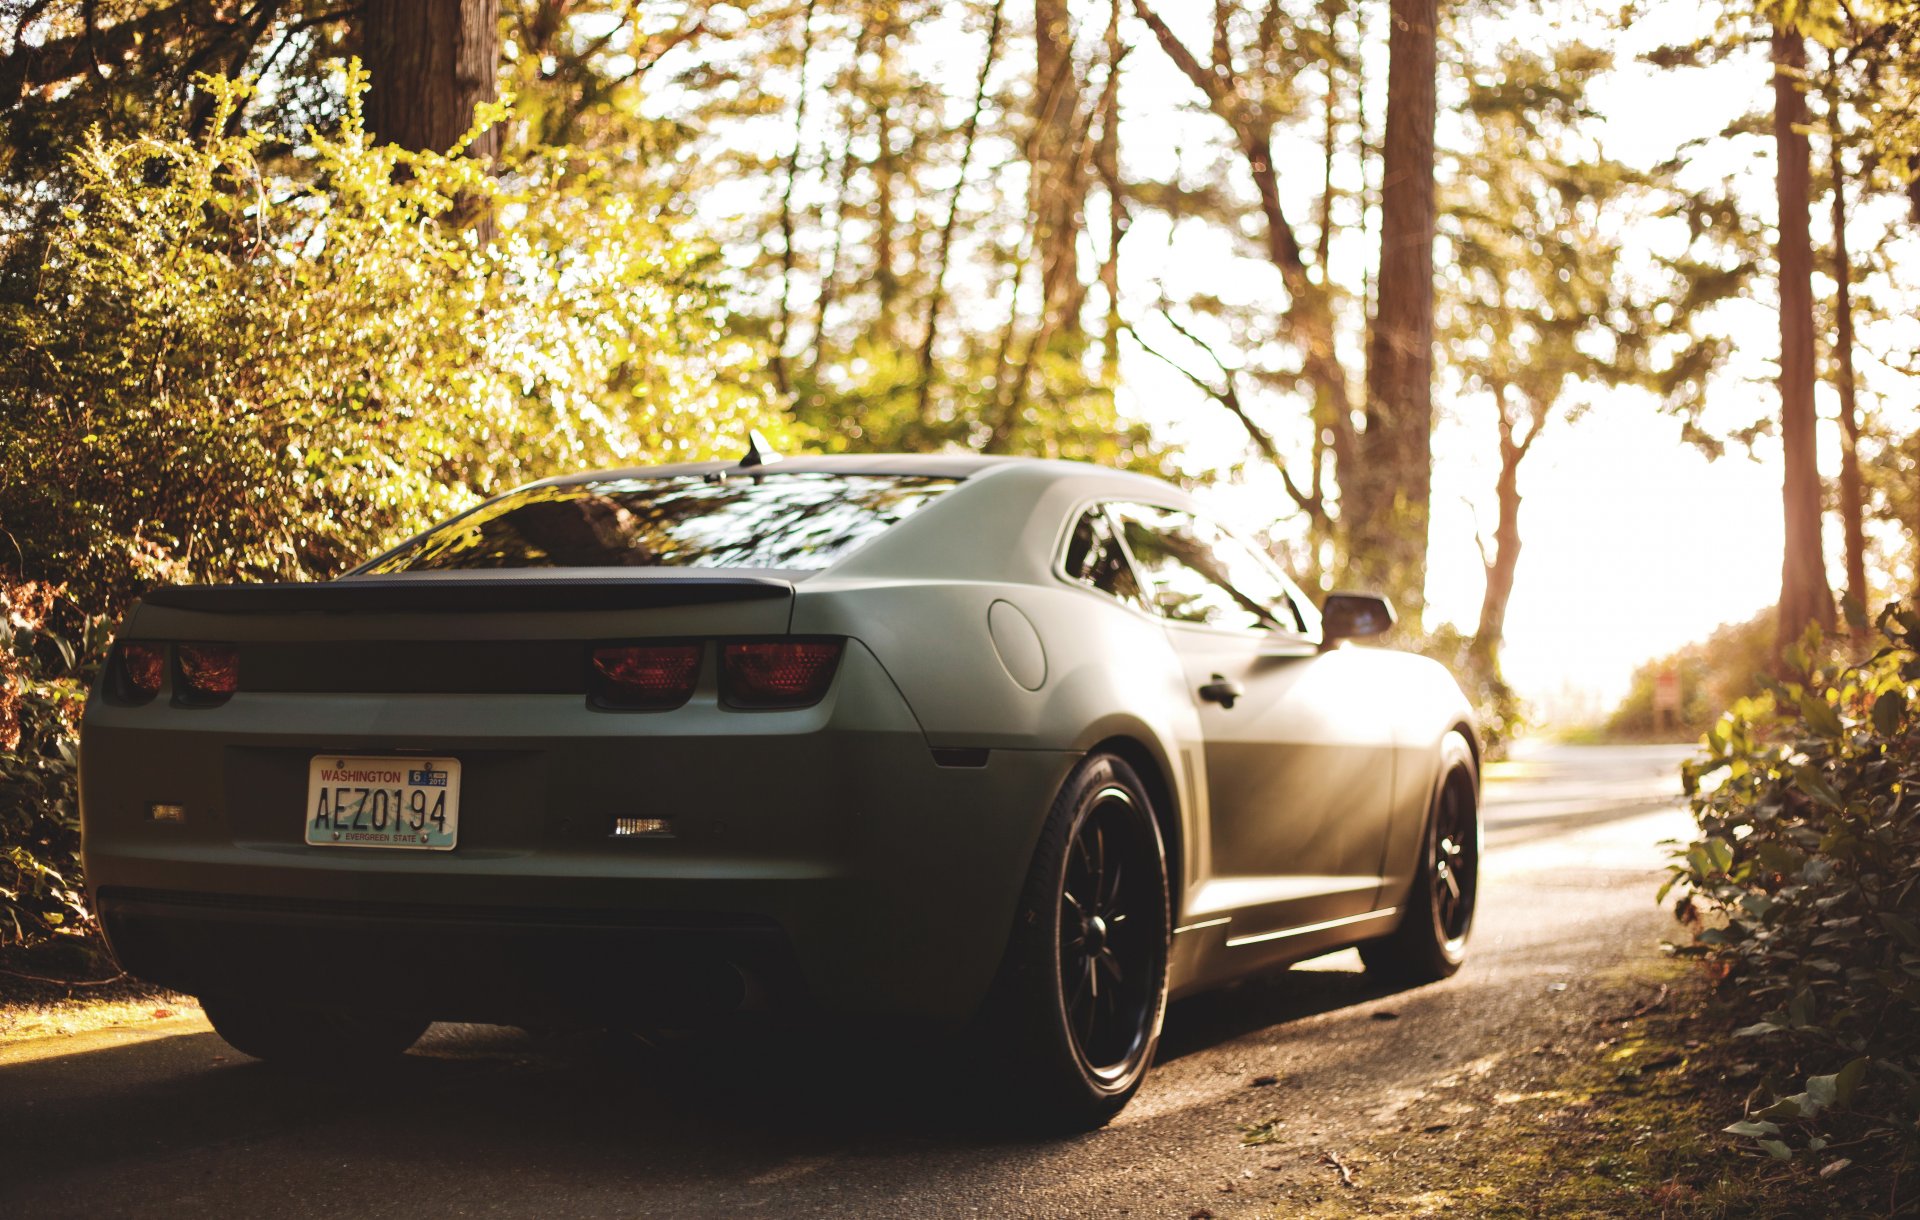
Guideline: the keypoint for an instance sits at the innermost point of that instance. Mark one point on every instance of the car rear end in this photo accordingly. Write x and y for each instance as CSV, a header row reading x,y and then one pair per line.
x,y
517,791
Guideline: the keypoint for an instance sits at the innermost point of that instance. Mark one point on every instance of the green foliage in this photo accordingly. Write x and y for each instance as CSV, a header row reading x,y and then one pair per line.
x,y
41,690
1803,886
1714,674
227,371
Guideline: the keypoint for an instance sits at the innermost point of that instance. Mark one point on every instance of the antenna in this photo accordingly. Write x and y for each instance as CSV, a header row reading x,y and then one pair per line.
x,y
759,452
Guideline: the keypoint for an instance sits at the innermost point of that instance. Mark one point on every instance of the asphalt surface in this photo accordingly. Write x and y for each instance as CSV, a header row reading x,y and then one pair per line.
x,y
167,1121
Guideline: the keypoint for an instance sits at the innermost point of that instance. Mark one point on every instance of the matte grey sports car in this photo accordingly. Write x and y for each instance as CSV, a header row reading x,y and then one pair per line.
x,y
1015,747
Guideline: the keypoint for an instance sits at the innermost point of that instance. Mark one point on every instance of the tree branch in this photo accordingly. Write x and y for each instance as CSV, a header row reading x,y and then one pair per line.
x,y
1229,397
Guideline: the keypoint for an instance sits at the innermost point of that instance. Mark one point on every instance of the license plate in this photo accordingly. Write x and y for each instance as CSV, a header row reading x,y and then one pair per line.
x,y
411,803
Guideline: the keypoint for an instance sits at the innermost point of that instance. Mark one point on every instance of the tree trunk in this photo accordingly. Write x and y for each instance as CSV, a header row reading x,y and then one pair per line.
x,y
1058,183
1106,160
1851,495
943,250
1506,547
1805,596
886,276
1387,515
429,63
783,319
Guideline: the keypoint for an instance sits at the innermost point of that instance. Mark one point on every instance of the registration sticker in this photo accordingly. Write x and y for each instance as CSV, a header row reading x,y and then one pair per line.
x,y
409,803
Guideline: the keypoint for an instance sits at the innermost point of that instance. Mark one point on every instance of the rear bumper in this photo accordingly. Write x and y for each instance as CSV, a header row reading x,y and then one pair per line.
x,y
819,857
457,963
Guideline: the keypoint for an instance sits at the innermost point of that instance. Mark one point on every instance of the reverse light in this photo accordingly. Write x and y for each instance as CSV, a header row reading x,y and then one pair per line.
x,y
645,677
777,674
142,668
209,673
642,828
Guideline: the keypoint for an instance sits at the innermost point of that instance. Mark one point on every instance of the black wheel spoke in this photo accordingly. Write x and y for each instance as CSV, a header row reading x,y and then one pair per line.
x,y
1111,964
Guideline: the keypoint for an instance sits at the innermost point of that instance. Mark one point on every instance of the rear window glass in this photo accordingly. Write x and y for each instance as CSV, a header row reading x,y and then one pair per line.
x,y
796,521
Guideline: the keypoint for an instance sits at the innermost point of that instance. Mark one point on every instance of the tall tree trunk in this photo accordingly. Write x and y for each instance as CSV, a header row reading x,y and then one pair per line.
x,y
1058,185
429,63
783,319
943,250
886,276
1387,519
1505,559
1851,495
1106,161
1805,596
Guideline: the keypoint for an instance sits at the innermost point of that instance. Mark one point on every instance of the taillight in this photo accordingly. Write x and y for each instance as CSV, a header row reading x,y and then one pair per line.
x,y
645,677
786,673
142,668
209,673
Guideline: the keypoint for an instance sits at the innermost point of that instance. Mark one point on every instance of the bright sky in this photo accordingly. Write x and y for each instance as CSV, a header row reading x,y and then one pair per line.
x,y
1634,543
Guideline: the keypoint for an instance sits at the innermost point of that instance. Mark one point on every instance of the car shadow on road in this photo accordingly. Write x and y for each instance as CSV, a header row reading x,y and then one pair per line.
x,y
720,1103
1280,997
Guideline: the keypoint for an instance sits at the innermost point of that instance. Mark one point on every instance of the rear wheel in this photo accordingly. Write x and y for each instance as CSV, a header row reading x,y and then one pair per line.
x,y
1084,987
1431,941
300,1036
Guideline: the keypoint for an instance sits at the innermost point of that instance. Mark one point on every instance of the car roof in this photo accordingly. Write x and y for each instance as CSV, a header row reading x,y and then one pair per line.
x,y
926,465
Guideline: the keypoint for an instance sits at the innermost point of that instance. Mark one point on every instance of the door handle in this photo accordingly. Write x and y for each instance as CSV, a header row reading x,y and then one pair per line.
x,y
1222,691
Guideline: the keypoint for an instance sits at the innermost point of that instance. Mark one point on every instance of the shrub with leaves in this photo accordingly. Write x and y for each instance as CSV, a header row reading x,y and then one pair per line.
x,y
1803,887
41,690
236,364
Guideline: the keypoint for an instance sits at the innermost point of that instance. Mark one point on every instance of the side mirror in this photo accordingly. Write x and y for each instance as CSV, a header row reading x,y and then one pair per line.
x,y
1350,616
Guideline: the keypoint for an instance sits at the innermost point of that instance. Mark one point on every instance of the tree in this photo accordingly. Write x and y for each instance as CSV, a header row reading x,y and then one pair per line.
x,y
1804,593
430,63
1387,501
1382,466
1537,301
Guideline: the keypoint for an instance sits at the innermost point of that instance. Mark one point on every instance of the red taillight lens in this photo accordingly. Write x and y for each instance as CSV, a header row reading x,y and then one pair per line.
x,y
142,668
646,677
209,673
792,673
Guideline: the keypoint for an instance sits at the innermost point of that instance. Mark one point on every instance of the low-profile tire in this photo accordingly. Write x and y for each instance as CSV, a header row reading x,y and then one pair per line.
x,y
1077,1009
1437,918
297,1036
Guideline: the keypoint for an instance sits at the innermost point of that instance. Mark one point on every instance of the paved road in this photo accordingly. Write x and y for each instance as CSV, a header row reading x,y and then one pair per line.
x,y
478,1122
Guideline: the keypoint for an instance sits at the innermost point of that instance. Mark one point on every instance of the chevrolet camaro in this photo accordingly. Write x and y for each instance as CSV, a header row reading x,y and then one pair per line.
x,y
1013,748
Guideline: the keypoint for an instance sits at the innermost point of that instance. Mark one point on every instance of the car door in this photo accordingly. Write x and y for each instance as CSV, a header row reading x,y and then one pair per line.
x,y
1299,770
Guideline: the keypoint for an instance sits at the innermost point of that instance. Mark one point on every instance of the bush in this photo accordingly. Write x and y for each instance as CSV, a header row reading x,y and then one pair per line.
x,y
233,365
1804,890
41,691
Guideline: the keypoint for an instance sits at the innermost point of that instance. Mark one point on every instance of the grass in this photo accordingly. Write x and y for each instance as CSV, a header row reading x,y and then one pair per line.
x,y
1624,1123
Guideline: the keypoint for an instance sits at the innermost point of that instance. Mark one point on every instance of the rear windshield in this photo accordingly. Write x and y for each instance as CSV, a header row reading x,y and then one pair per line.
x,y
796,521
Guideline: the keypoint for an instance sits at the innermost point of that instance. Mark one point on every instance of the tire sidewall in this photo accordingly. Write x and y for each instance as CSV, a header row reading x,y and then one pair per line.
x,y
1043,1041
1455,758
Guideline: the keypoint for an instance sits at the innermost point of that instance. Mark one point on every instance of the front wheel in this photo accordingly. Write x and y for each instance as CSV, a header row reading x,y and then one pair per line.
x,y
1083,989
1431,941
304,1037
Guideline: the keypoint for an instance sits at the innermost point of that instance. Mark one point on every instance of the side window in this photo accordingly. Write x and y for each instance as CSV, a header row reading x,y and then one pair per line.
x,y
1095,558
1197,573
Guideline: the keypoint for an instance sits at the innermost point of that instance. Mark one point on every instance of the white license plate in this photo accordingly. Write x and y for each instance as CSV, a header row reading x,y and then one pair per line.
x,y
383,802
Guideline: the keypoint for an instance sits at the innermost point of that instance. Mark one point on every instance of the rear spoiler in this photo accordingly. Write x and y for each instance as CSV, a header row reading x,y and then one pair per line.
x,y
478,595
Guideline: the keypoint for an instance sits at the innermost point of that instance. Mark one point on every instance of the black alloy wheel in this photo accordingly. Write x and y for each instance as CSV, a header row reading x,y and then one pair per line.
x,y
1111,957
1076,1013
1431,940
1453,858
